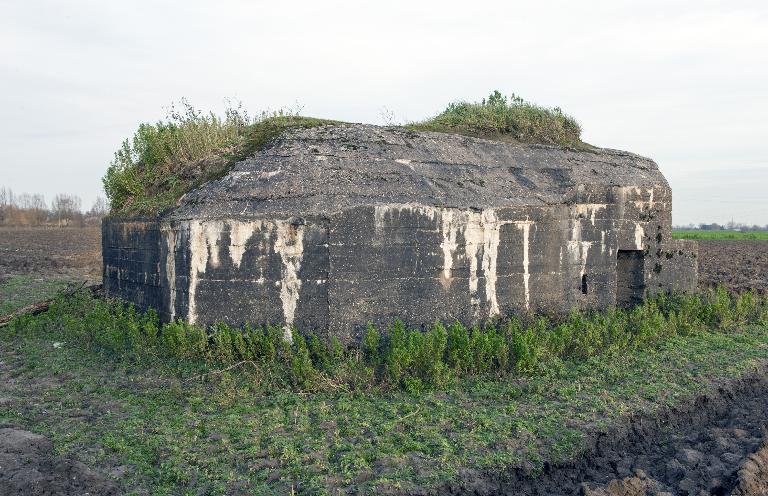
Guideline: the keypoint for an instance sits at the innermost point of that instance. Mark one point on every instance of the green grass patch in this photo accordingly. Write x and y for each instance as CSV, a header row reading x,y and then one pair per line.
x,y
399,358
235,432
22,290
510,119
699,234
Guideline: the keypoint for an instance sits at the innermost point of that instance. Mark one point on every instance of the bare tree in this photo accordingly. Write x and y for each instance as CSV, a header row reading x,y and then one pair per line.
x,y
5,202
6,197
99,208
66,209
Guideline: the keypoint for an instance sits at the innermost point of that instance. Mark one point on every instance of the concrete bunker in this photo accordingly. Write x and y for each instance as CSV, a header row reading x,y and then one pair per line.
x,y
334,226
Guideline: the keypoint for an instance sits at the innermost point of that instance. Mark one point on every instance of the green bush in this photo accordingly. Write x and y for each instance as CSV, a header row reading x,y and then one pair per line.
x,y
410,359
510,118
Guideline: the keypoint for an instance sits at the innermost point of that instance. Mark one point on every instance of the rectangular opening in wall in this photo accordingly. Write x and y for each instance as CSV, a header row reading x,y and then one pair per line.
x,y
630,283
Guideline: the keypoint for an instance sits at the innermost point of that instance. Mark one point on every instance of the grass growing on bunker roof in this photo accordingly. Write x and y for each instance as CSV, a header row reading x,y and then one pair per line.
x,y
163,161
506,118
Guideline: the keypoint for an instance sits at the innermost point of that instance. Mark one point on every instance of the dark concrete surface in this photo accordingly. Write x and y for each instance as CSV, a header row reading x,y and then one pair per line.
x,y
335,226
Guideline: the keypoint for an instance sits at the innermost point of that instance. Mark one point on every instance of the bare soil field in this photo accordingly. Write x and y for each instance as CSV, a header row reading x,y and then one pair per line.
x,y
737,264
57,253
36,263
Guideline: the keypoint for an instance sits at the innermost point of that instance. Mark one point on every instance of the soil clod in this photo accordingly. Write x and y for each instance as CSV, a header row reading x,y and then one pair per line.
x,y
27,468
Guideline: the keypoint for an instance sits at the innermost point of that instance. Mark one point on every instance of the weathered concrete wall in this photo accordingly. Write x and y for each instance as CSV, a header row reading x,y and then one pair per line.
x,y
422,264
672,266
132,258
413,262
238,271
458,229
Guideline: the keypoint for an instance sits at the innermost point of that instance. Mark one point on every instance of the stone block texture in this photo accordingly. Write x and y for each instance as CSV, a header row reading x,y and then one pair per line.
x,y
332,227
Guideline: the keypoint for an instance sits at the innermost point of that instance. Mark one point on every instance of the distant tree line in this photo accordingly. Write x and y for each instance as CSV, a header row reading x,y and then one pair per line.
x,y
730,226
32,210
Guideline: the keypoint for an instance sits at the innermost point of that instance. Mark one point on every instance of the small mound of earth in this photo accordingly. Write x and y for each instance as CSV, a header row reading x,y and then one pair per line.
x,y
638,485
27,468
753,475
751,479
714,462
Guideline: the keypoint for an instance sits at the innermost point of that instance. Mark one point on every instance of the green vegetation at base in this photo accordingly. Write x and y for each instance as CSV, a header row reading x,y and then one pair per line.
x,y
410,359
233,431
22,290
165,160
506,119
704,234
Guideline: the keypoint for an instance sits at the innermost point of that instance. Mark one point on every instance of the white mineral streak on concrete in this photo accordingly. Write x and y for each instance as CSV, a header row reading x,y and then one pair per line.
x,y
380,213
491,234
639,233
481,230
642,204
525,226
268,174
203,235
170,270
589,210
403,161
621,200
602,242
585,245
383,215
212,231
578,250
239,234
576,230
474,238
578,253
623,192
450,223
290,245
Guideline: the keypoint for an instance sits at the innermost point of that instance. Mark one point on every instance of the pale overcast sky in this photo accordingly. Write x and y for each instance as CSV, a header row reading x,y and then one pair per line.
x,y
683,82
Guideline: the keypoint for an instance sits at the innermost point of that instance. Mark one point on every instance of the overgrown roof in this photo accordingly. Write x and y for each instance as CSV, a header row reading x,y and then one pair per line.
x,y
325,169
164,161
509,119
